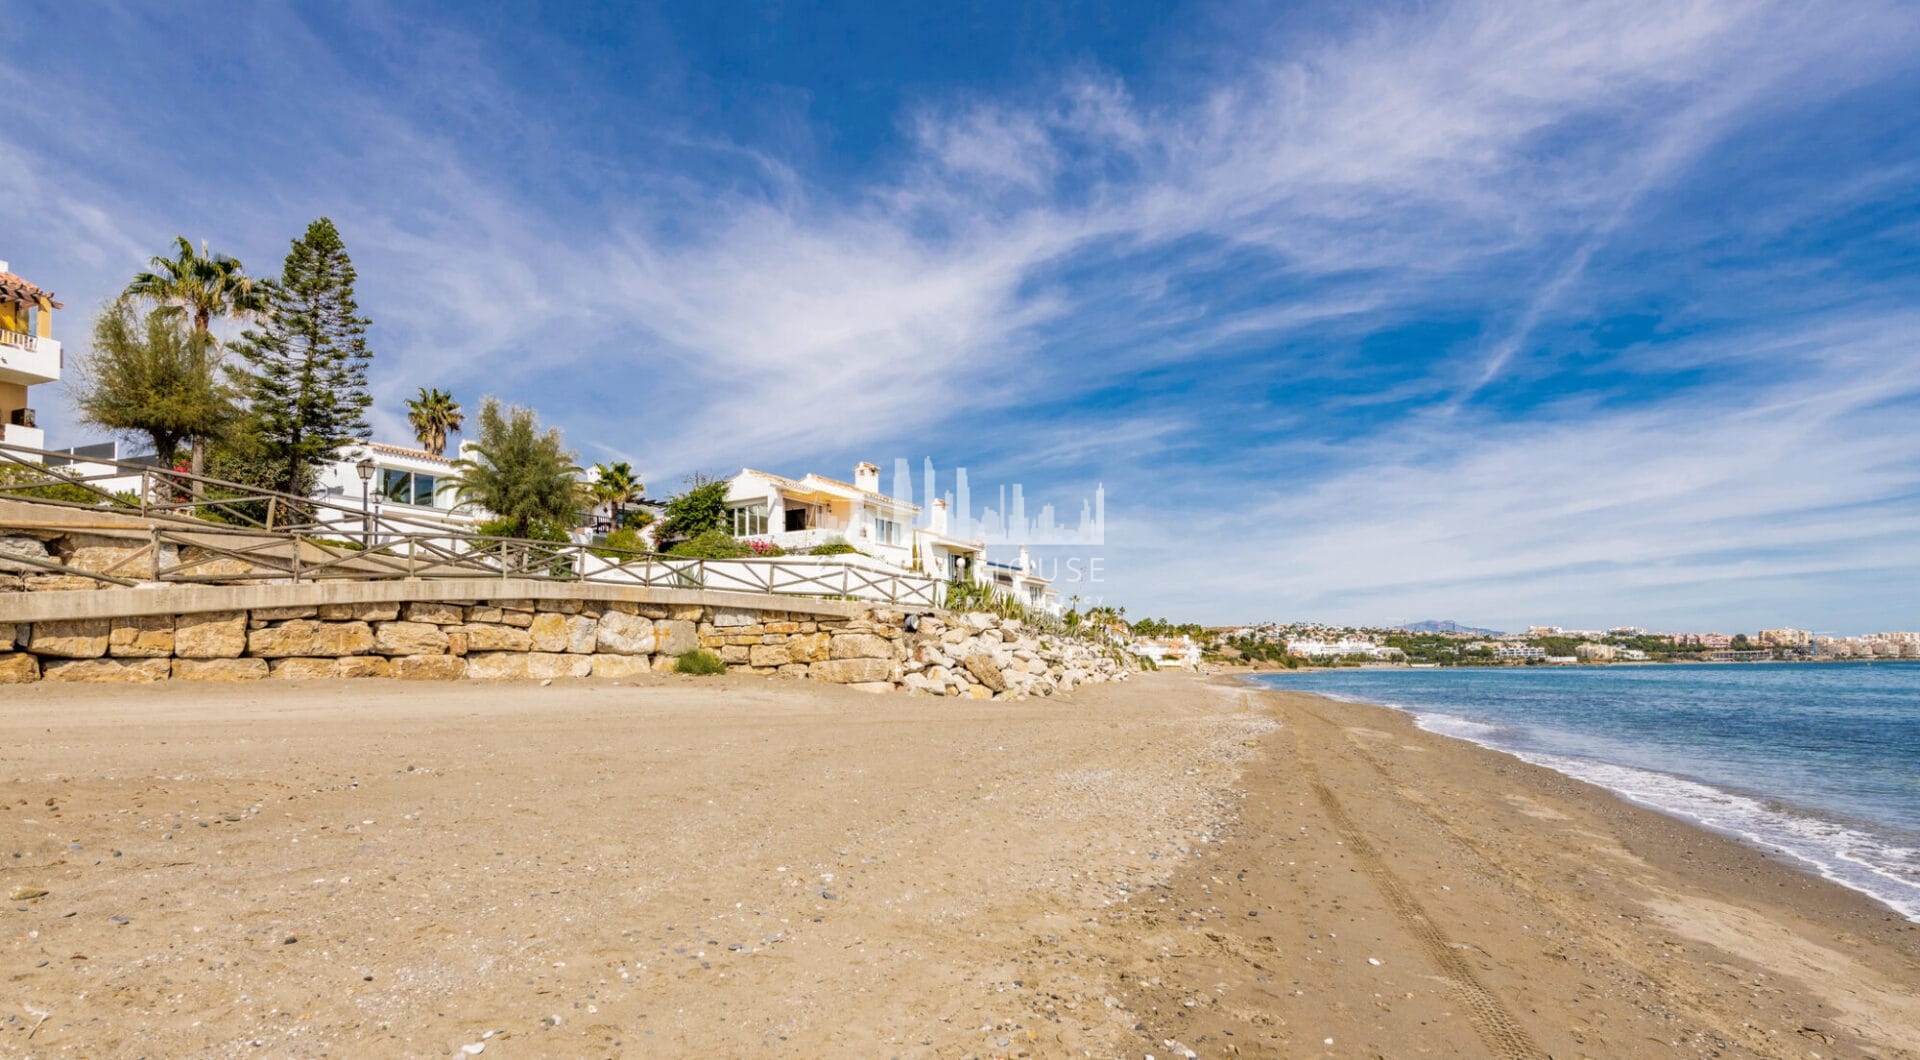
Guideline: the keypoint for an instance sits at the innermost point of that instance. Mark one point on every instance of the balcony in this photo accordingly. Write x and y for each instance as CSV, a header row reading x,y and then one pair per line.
x,y
29,437
28,359
798,540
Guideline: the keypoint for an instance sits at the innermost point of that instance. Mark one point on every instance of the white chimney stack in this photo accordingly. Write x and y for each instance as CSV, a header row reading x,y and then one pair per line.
x,y
4,267
937,518
867,476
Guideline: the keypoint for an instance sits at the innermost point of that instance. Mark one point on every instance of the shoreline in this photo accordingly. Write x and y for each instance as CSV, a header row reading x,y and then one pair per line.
x,y
1695,802
1593,926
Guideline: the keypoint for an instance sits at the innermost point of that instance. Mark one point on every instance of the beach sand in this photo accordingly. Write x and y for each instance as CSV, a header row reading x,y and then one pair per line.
x,y
735,866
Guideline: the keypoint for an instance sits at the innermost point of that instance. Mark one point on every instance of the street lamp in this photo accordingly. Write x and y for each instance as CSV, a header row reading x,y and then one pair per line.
x,y
365,467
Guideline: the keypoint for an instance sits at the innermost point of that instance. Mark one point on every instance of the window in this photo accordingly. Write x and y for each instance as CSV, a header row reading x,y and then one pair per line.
x,y
748,519
886,531
406,487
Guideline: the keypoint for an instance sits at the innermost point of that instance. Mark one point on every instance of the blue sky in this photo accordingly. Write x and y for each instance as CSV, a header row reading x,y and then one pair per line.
x,y
1578,314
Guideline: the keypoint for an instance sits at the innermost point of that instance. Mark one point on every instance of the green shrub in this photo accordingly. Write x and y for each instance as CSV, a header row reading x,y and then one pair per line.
x,y
16,475
620,544
835,546
712,544
699,661
537,530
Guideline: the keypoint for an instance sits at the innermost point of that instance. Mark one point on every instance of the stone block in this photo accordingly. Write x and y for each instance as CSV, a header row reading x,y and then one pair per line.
x,y
359,612
12,583
437,613
852,671
986,671
282,614
624,634
496,638
608,665
875,687
685,613
362,666
82,638
582,632
304,669
142,637
220,669
483,613
456,642
497,666
18,668
559,607
861,646
542,666
768,655
409,638
665,664
108,671
210,635
548,632
427,668
810,647
14,548
794,670
723,617
735,654
519,619
675,636
8,633
307,638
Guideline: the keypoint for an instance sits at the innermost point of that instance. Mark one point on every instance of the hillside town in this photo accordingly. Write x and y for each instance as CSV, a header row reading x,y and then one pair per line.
x,y
1297,644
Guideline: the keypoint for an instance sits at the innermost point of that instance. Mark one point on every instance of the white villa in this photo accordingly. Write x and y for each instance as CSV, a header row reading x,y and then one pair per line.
x,y
400,483
801,513
1315,648
1171,651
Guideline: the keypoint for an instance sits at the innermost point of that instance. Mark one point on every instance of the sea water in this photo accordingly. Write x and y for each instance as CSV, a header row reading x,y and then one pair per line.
x,y
1819,762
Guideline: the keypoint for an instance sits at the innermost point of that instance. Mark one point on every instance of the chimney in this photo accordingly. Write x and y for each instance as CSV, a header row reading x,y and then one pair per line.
x,y
867,476
937,518
3,267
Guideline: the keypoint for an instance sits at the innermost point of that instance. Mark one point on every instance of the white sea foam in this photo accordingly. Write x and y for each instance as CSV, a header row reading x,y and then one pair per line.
x,y
1885,871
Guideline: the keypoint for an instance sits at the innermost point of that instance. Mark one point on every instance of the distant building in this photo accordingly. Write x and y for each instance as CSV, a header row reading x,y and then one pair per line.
x,y
1596,652
1786,638
1169,651
1315,648
1518,651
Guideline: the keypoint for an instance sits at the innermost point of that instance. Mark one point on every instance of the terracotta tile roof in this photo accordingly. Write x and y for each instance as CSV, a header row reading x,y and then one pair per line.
x,y
15,289
801,484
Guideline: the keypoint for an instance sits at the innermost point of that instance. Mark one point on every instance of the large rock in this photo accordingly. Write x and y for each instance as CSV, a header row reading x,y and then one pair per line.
x,y
986,671
676,636
543,665
548,632
497,665
768,655
305,669
496,638
219,669
861,646
437,613
428,668
724,617
104,671
810,647
210,635
581,633
143,637
80,638
624,634
409,638
362,666
610,665
18,668
307,638
852,671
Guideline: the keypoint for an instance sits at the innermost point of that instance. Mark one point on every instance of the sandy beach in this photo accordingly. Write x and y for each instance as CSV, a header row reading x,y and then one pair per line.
x,y
736,866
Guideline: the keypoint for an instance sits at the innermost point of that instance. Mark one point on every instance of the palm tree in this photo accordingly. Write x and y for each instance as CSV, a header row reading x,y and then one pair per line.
x,y
206,286
518,471
614,487
432,415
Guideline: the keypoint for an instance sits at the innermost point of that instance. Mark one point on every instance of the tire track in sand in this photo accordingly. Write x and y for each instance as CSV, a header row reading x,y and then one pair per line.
x,y
1496,1027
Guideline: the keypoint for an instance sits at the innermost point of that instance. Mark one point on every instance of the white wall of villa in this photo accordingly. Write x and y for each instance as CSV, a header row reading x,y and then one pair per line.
x,y
406,484
801,513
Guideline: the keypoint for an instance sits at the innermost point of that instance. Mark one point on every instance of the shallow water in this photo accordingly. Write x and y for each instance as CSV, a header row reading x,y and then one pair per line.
x,y
1820,762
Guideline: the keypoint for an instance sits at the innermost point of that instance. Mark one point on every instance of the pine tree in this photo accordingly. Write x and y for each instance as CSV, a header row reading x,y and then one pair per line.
x,y
306,370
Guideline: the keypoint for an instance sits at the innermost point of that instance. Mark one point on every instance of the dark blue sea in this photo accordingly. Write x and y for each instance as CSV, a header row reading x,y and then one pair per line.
x,y
1819,762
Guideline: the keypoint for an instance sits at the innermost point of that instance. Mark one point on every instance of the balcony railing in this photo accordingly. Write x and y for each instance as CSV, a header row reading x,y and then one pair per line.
x,y
38,357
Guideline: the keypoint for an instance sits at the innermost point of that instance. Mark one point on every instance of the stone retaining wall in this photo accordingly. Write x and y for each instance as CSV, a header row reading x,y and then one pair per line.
x,y
977,655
